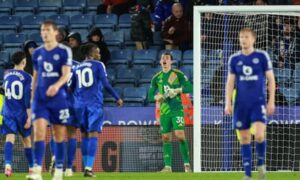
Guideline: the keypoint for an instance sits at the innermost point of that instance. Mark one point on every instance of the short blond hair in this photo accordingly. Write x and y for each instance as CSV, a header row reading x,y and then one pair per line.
x,y
247,29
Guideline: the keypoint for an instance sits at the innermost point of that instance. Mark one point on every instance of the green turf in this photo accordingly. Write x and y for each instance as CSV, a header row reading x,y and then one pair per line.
x,y
170,176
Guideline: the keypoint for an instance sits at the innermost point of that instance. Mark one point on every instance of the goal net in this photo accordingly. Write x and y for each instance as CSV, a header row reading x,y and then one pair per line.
x,y
216,32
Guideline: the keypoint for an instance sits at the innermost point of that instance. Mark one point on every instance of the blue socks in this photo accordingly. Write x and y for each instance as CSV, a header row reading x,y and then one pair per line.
x,y
59,154
71,152
84,149
29,156
261,152
8,150
39,150
246,154
91,153
52,146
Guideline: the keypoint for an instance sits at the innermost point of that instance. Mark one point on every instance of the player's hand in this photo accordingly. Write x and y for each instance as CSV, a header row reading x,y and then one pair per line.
x,y
120,102
159,98
174,92
28,123
52,90
171,30
270,108
228,109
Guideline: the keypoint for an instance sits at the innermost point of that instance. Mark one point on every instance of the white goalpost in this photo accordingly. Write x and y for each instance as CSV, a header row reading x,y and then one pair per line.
x,y
215,146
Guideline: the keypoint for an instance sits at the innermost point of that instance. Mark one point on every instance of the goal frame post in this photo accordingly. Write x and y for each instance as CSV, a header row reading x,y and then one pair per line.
x,y
197,62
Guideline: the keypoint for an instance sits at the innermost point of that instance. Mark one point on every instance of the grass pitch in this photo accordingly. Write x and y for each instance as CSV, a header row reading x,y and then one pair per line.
x,y
168,176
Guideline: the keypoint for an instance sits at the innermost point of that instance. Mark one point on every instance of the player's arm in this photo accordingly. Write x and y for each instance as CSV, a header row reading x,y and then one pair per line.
x,y
152,96
271,88
229,91
53,89
33,84
28,95
107,85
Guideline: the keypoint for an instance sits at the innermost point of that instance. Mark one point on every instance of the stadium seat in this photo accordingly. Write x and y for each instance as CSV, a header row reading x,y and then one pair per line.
x,y
147,75
81,21
60,19
106,21
109,100
126,77
14,40
290,94
26,6
282,75
297,72
115,38
187,57
4,57
6,7
12,50
49,6
176,54
125,21
106,31
36,36
92,5
123,56
134,96
7,31
157,41
32,22
187,70
147,57
215,55
111,75
10,23
127,38
72,13
74,5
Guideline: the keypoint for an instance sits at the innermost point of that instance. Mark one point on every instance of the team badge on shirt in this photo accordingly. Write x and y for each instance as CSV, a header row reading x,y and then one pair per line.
x,y
56,57
255,61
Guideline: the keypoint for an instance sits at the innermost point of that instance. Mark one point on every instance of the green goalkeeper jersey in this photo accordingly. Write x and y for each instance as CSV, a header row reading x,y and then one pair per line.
x,y
172,79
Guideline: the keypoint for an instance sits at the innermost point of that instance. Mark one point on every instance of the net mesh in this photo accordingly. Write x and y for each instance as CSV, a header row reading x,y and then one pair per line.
x,y
120,149
279,36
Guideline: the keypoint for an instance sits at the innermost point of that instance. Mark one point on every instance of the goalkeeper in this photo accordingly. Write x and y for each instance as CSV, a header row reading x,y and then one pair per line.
x,y
170,83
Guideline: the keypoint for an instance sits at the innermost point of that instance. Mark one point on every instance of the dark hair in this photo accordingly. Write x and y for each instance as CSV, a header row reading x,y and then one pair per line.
x,y
87,48
51,23
17,57
167,53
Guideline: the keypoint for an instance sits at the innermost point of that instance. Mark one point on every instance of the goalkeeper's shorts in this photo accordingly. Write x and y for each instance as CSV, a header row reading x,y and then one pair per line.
x,y
172,121
245,115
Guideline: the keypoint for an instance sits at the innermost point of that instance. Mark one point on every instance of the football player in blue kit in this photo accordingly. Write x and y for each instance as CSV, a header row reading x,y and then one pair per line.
x,y
16,110
88,82
72,126
52,67
248,71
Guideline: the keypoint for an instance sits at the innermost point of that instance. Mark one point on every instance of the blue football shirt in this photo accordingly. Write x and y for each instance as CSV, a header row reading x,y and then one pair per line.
x,y
250,76
48,65
88,82
17,86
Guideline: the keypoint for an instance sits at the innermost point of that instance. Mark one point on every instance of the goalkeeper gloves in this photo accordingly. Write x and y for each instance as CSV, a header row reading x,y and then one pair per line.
x,y
159,98
174,92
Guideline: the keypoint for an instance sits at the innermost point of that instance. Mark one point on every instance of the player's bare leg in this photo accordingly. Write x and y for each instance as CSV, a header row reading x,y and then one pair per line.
x,y
10,139
71,135
40,130
167,140
260,132
184,149
28,145
245,142
59,136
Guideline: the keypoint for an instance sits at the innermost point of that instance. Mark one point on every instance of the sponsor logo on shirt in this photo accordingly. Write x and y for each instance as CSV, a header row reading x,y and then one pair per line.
x,y
247,71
